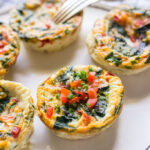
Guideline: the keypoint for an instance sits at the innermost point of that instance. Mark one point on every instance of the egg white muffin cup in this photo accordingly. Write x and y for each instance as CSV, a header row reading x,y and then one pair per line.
x,y
24,95
33,22
10,50
81,131
94,53
55,45
116,49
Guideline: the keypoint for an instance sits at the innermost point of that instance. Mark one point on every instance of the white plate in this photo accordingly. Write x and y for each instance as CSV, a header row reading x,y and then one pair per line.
x,y
131,131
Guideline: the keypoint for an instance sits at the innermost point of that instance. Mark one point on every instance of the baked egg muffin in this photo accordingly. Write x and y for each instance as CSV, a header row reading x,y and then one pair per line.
x,y
16,115
121,41
79,102
9,48
33,22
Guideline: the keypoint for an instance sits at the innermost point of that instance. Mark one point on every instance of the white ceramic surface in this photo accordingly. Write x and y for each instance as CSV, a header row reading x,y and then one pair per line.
x,y
131,131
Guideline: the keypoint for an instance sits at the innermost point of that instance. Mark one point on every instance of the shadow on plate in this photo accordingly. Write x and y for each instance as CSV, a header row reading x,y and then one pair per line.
x,y
54,60
30,61
104,141
137,86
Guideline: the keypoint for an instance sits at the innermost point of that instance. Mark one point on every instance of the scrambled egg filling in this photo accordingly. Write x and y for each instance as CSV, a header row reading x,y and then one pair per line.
x,y
122,38
79,98
34,21
12,119
9,48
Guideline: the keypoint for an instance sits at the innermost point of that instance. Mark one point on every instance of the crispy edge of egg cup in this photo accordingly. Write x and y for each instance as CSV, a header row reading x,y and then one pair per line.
x,y
24,94
89,132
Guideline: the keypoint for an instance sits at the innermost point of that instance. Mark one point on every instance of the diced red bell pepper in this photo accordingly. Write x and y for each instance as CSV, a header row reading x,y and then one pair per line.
x,y
103,34
49,6
111,74
6,37
74,100
49,112
91,77
116,18
15,100
78,92
44,42
6,118
3,43
65,91
48,26
132,38
63,98
82,94
64,94
139,23
15,132
3,51
91,102
92,93
75,83
86,119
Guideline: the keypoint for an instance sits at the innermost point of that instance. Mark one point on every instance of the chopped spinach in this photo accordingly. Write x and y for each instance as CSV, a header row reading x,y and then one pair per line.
x,y
127,50
3,103
133,62
63,77
28,17
98,73
142,46
9,134
148,59
67,31
119,39
1,37
102,98
122,45
142,30
13,104
57,109
128,67
147,13
85,108
117,109
23,36
6,62
40,29
61,122
137,58
20,11
102,89
116,60
67,112
119,28
13,45
100,108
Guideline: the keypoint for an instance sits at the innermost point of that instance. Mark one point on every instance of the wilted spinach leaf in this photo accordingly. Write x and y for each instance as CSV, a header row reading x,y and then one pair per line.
x,y
116,60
